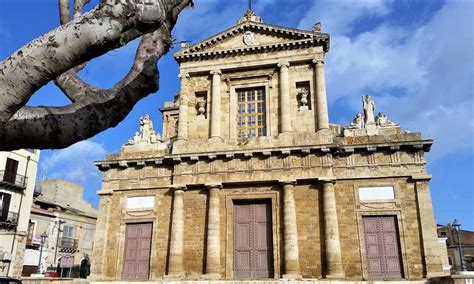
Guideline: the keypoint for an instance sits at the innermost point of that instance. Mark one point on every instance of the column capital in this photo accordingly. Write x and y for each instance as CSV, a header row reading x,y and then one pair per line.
x,y
318,61
287,182
178,187
216,72
184,76
283,64
216,185
182,97
327,180
421,177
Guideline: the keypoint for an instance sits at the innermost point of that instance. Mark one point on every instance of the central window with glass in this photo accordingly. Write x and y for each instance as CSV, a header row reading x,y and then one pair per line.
x,y
251,118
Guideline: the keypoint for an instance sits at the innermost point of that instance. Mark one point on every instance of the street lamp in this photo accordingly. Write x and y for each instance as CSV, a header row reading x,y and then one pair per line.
x,y
43,238
456,226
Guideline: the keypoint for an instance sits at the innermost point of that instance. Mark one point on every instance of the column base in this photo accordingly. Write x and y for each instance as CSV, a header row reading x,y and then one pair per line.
x,y
215,139
211,276
174,276
292,276
335,276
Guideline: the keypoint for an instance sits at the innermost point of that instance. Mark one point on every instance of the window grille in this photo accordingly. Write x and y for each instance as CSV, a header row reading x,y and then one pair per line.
x,y
251,117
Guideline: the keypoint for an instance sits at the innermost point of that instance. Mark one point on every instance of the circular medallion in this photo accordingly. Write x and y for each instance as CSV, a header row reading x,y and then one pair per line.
x,y
249,38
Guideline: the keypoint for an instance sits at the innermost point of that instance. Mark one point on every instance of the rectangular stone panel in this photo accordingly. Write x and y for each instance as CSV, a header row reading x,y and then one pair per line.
x,y
376,193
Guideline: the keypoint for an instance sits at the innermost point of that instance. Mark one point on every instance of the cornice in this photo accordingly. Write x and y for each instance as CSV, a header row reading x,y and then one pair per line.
x,y
307,37
334,149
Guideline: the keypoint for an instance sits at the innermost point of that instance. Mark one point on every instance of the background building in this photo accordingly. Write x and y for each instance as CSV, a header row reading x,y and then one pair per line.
x,y
17,181
251,181
467,242
69,223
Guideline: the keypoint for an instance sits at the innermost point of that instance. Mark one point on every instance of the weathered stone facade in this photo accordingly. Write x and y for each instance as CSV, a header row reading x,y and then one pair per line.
x,y
312,173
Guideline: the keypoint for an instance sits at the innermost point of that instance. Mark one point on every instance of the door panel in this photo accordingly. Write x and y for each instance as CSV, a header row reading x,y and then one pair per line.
x,y
253,247
137,251
382,247
11,168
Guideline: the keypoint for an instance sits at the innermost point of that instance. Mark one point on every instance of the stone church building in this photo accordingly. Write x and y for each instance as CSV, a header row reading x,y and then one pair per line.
x,y
250,180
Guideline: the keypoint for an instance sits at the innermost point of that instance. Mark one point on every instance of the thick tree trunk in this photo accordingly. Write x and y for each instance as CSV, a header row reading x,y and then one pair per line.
x,y
93,110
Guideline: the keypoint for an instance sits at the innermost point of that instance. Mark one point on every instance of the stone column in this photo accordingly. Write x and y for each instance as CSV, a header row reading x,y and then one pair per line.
x,y
290,232
99,254
176,265
216,104
334,268
431,247
285,109
183,109
321,100
213,255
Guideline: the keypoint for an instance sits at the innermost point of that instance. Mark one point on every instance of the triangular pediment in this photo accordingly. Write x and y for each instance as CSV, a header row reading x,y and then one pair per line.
x,y
252,36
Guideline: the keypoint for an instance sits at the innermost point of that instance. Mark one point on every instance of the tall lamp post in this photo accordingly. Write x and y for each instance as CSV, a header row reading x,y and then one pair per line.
x,y
456,226
43,238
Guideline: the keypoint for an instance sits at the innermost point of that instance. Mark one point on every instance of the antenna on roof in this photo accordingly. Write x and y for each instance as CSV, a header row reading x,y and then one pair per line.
x,y
250,4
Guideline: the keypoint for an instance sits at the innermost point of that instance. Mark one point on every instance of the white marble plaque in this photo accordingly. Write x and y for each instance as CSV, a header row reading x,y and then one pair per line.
x,y
376,193
140,202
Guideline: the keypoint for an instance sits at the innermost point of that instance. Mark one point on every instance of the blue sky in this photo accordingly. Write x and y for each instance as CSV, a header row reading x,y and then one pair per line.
x,y
415,57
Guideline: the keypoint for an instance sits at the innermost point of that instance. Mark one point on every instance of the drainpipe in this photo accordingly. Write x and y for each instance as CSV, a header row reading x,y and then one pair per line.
x,y
19,211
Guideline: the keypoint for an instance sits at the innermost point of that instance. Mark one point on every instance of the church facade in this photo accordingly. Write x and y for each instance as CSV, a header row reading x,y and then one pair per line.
x,y
250,180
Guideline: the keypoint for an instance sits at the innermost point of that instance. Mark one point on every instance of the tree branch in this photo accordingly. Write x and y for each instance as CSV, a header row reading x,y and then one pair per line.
x,y
106,27
44,127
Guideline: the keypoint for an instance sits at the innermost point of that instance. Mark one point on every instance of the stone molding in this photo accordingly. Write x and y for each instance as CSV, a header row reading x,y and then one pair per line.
x,y
328,148
302,37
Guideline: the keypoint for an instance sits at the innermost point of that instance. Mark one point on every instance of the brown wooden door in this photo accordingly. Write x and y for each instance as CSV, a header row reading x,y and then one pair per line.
x,y
136,262
253,247
382,247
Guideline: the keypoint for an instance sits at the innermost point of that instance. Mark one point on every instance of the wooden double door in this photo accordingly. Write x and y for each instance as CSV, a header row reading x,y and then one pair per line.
x,y
382,247
253,240
136,263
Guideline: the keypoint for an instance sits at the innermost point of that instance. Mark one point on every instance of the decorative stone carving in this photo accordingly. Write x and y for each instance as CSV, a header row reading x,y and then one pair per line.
x,y
201,109
251,17
303,98
369,124
357,122
147,134
383,121
249,38
369,109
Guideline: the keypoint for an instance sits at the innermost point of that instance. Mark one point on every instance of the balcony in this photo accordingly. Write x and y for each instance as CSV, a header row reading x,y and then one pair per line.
x,y
9,221
69,243
12,180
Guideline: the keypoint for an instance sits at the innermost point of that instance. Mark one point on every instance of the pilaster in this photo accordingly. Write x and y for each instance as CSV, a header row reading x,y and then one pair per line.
x,y
431,247
290,232
216,104
285,108
176,258
183,109
321,100
334,268
213,253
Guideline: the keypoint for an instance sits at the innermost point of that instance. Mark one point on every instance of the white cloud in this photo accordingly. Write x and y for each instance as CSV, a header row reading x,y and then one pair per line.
x,y
75,163
339,17
420,76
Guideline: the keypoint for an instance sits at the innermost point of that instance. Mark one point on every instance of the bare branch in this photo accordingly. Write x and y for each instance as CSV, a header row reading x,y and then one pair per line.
x,y
58,127
106,27
63,11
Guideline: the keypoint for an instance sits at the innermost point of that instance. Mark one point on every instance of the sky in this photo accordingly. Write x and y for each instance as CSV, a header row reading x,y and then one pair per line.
x,y
416,58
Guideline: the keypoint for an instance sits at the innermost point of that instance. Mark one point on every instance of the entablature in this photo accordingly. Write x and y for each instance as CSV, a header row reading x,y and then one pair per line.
x,y
326,149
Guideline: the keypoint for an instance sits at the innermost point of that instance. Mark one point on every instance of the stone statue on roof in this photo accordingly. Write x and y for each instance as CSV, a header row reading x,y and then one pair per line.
x,y
147,134
357,122
383,121
369,109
